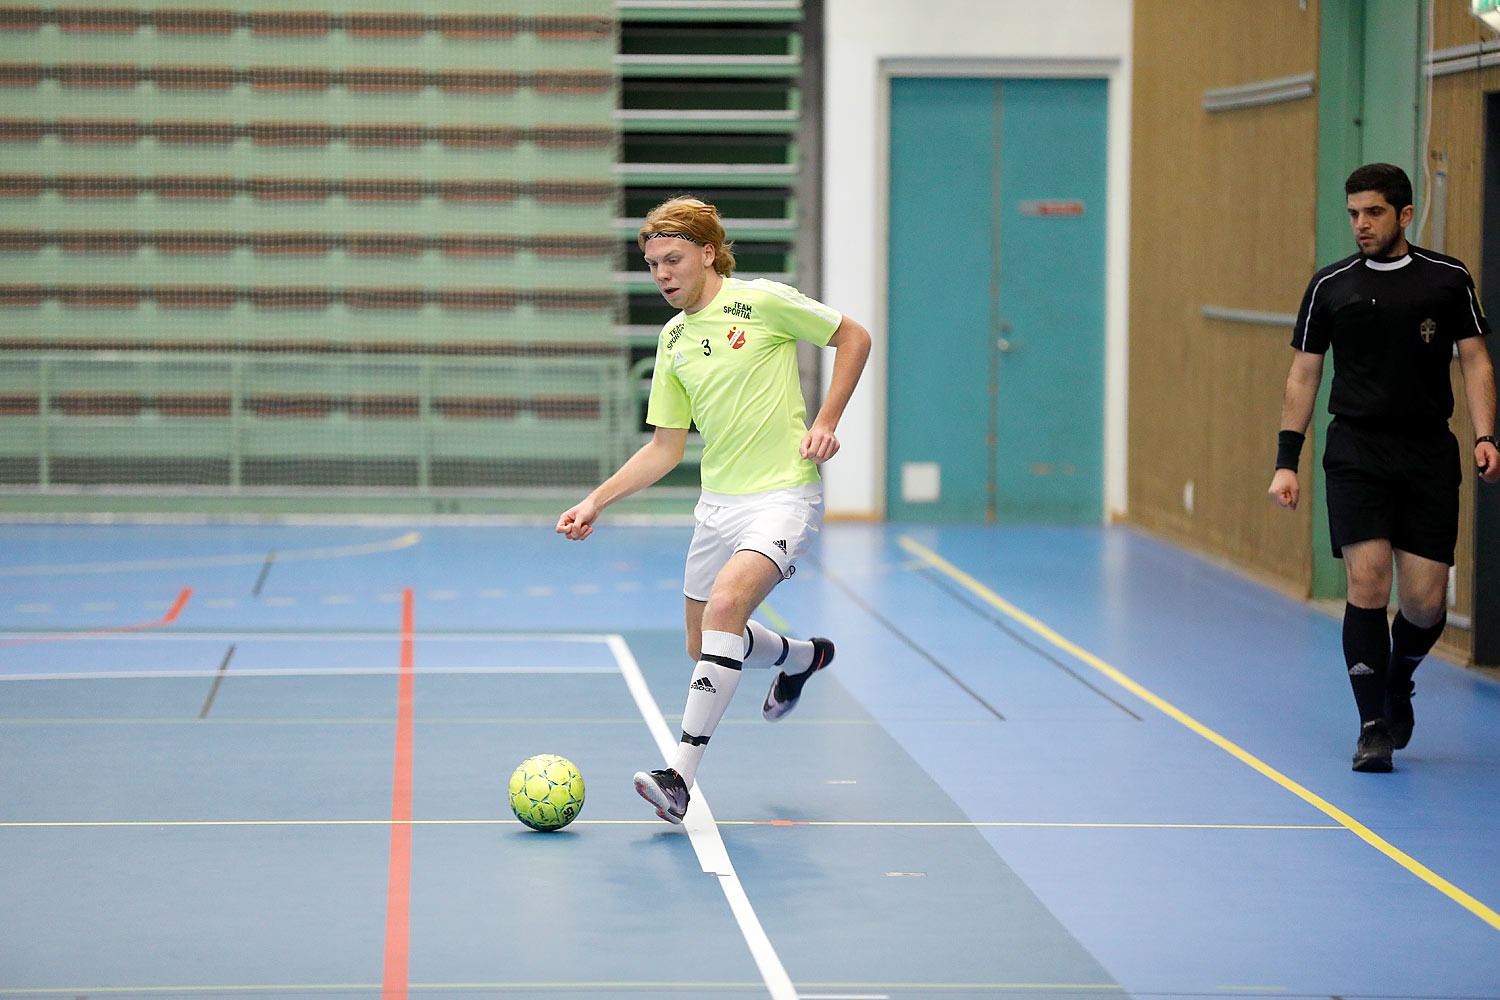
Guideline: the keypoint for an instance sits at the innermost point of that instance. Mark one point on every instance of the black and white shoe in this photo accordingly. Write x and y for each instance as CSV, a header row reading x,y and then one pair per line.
x,y
787,688
1373,752
665,790
1398,716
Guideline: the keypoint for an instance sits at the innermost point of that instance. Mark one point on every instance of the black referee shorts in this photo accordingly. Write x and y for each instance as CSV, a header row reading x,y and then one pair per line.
x,y
1393,484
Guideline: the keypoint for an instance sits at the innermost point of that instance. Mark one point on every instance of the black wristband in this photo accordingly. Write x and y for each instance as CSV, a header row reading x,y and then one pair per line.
x,y
1289,449
1483,438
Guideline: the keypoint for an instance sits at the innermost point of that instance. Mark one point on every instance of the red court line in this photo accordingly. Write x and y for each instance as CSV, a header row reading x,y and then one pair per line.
x,y
398,892
167,619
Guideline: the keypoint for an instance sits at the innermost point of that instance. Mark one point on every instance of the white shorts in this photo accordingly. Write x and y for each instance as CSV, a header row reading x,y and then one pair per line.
x,y
779,524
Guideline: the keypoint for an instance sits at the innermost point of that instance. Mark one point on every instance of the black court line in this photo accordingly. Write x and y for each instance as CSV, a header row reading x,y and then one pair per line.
x,y
265,568
218,679
891,627
948,587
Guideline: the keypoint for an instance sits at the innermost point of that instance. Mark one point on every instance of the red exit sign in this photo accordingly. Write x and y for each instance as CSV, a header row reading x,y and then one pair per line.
x,y
1052,208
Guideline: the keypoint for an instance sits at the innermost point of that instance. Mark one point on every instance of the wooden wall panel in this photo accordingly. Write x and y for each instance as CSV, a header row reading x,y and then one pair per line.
x,y
1222,213
1456,141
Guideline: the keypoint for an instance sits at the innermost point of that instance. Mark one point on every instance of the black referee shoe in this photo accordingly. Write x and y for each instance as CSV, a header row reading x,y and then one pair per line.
x,y
1373,752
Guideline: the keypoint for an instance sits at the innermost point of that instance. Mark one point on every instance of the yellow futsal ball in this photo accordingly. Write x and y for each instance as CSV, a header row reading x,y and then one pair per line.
x,y
546,792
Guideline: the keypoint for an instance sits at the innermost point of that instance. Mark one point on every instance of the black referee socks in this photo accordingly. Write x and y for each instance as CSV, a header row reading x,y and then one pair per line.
x,y
1409,644
1367,653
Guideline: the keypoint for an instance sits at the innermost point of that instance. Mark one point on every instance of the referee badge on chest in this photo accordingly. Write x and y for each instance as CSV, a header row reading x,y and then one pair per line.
x,y
1427,329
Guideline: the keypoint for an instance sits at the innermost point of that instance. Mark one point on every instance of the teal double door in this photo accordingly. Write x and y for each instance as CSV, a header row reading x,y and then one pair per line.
x,y
996,299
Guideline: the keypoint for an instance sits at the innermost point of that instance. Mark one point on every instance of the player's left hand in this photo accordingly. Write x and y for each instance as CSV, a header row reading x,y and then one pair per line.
x,y
819,445
1488,460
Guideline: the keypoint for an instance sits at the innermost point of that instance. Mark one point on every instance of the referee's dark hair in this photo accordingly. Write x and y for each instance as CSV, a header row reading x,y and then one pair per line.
x,y
1386,178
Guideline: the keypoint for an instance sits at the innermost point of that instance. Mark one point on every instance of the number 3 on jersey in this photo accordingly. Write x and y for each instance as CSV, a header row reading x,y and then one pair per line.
x,y
707,350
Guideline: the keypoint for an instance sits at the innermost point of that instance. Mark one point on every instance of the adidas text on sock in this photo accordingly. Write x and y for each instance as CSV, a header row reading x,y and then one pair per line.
x,y
714,680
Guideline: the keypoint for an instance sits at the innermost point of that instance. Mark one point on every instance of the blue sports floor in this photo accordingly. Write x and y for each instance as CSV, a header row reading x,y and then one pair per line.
x,y
270,760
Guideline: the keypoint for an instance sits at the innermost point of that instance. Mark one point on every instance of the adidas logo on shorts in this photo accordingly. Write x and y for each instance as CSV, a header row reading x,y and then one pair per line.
x,y
705,685
780,544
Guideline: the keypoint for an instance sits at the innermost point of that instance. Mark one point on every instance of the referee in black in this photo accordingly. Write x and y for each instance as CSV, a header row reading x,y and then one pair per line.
x,y
1393,314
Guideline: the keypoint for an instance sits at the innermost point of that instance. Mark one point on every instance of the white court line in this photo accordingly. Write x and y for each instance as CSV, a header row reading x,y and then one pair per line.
x,y
235,559
704,834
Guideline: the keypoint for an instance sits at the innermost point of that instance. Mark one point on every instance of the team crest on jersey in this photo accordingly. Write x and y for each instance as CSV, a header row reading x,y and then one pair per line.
x,y
1428,329
736,337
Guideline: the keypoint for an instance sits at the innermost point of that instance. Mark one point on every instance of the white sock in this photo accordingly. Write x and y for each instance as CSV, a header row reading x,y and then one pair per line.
x,y
714,680
765,648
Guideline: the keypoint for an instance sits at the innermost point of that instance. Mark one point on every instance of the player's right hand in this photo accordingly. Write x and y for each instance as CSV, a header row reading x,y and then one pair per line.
x,y
1487,458
577,522
1284,488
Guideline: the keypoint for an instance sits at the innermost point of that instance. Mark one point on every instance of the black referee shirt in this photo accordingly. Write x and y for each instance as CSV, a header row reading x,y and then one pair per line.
x,y
1392,325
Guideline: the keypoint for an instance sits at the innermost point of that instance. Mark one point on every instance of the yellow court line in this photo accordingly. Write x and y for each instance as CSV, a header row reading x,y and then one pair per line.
x,y
1403,859
530,720
364,987
595,985
226,988
1254,989
1111,987
1023,823
777,622
506,821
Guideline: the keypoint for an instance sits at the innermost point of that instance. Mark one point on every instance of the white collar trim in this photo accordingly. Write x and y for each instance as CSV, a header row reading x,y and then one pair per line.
x,y
1388,265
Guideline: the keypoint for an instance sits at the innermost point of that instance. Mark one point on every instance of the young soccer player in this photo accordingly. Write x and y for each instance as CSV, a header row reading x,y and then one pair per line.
x,y
728,362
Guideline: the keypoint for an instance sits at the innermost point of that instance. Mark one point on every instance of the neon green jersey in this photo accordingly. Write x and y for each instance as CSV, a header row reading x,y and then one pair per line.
x,y
731,368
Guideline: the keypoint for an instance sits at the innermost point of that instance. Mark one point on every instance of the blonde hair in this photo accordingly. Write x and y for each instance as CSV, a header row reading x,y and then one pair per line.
x,y
694,220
